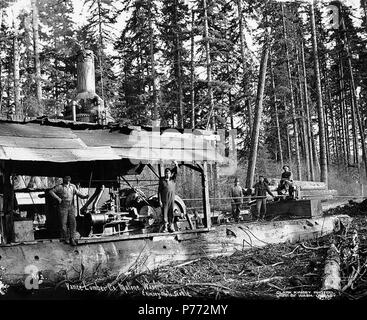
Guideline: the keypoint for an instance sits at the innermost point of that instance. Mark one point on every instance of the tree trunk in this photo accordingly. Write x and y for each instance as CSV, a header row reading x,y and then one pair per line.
x,y
354,126
177,43
344,114
327,134
243,58
293,108
279,137
208,68
307,111
16,61
100,47
258,113
152,70
192,70
37,63
320,109
303,120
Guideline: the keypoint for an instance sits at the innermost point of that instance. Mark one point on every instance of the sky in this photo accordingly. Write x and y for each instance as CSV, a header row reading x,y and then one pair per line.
x,y
80,16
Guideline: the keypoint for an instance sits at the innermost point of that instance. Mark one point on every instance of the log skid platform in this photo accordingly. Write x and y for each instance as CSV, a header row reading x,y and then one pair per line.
x,y
124,255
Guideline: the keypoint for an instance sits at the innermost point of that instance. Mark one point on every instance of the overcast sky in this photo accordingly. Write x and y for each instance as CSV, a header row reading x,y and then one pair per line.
x,y
80,16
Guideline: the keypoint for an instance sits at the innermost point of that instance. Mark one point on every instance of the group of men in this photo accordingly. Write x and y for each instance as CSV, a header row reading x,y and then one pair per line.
x,y
65,192
261,189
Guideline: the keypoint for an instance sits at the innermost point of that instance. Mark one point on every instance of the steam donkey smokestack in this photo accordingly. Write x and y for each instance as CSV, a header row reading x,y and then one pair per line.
x,y
86,75
87,106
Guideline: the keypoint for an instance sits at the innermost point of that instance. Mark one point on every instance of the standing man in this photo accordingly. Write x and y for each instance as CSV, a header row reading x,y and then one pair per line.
x,y
286,182
261,188
237,199
166,196
64,194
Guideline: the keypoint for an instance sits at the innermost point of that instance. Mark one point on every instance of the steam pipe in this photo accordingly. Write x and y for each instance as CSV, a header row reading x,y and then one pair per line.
x,y
89,201
98,198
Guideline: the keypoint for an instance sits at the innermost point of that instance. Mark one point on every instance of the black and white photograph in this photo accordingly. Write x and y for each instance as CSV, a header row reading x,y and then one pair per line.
x,y
183,158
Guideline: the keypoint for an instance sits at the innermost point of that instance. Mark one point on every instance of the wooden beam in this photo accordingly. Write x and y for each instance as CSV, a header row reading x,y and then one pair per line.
x,y
192,167
160,170
153,170
8,203
206,202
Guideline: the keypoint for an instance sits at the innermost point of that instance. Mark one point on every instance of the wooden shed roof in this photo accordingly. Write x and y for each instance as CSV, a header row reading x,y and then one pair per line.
x,y
61,141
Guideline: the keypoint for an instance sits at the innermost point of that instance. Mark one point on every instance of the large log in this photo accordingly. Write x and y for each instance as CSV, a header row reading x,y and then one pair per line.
x,y
304,185
332,280
139,253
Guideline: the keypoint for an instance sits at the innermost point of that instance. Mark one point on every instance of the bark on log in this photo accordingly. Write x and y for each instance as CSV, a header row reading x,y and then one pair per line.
x,y
332,279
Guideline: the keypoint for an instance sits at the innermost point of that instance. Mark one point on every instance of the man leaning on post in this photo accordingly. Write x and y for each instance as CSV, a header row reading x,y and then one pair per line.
x,y
64,194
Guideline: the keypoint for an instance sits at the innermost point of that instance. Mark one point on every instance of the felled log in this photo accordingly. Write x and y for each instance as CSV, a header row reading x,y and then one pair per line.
x,y
331,280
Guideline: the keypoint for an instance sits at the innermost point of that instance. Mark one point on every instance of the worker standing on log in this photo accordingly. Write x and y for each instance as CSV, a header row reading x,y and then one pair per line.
x,y
166,197
286,182
237,199
261,188
64,194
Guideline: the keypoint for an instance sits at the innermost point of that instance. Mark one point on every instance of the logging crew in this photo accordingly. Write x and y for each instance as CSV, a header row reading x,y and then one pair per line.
x,y
261,188
237,199
64,194
286,182
166,197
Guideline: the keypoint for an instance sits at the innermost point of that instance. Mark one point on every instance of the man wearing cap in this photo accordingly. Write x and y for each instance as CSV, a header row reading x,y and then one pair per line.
x,y
166,197
237,199
286,182
64,194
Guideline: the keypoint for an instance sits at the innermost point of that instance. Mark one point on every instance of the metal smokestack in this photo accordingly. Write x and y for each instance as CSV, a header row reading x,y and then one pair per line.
x,y
87,105
86,75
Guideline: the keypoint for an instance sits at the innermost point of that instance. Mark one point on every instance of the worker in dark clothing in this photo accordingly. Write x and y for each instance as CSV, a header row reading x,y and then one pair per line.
x,y
237,199
286,182
261,188
64,194
166,197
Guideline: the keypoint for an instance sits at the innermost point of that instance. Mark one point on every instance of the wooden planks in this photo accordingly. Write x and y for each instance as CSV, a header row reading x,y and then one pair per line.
x,y
32,130
60,155
42,142
37,142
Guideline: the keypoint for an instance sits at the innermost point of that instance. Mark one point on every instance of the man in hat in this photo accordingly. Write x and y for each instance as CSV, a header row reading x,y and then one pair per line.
x,y
261,189
237,199
64,194
166,197
286,182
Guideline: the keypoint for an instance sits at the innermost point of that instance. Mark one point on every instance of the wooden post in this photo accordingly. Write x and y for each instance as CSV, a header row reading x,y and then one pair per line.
x,y
8,204
205,186
74,111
